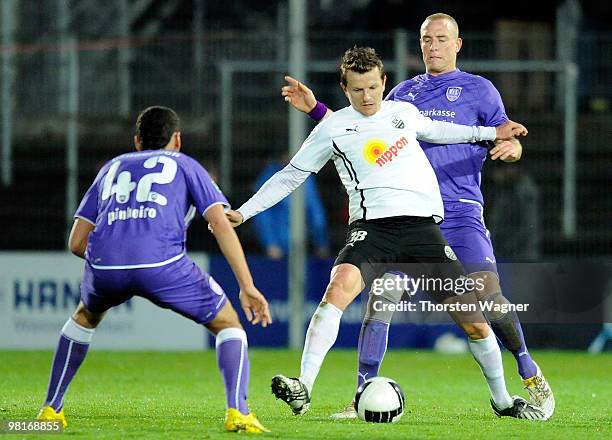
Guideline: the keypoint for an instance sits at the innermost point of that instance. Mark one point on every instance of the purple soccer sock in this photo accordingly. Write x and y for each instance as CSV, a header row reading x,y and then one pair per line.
x,y
233,361
69,355
510,333
372,347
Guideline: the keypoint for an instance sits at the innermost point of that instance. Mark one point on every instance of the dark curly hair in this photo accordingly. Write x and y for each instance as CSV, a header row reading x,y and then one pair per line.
x,y
156,125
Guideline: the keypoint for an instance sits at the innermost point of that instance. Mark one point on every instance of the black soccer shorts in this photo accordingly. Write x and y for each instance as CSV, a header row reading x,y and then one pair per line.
x,y
411,245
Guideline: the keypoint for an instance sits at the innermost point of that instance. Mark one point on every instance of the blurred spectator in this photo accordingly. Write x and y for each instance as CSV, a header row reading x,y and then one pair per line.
x,y
513,214
272,226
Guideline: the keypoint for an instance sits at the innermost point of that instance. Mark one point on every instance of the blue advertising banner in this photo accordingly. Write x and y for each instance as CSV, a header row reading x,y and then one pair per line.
x,y
270,277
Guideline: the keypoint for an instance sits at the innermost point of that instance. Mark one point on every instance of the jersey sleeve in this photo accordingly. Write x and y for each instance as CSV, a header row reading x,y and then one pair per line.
x,y
203,191
315,151
275,189
491,110
440,132
88,208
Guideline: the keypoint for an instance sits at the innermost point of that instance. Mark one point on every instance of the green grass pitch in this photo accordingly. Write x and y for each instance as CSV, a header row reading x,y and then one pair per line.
x,y
180,395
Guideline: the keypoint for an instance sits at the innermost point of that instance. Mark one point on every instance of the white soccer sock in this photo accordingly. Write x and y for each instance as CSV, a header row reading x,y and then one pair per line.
x,y
77,332
488,355
320,337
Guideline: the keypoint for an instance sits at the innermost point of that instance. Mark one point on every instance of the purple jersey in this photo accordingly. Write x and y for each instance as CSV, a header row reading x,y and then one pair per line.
x,y
461,98
141,204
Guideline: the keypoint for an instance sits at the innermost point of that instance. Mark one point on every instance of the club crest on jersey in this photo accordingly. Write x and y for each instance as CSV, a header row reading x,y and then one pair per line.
x,y
449,253
397,122
453,93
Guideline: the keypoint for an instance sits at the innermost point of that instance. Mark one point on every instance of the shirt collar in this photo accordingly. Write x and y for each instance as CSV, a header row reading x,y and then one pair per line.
x,y
444,76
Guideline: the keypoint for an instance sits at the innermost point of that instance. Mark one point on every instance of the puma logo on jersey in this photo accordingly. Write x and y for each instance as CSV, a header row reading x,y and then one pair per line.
x,y
352,129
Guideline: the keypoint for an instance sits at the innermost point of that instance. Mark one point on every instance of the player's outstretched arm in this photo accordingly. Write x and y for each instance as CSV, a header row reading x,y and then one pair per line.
x,y
441,132
77,243
253,302
275,189
301,97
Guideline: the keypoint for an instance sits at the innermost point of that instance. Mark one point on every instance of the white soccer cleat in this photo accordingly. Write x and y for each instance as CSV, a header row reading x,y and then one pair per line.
x,y
348,412
291,391
540,393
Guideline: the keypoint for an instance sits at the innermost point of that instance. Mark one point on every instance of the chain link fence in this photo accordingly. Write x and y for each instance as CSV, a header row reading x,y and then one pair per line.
x,y
111,79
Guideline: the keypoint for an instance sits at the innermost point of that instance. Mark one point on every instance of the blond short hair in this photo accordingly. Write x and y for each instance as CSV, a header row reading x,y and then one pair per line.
x,y
443,16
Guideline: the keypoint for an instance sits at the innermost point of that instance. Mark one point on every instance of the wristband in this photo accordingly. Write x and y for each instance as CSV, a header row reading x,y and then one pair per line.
x,y
318,112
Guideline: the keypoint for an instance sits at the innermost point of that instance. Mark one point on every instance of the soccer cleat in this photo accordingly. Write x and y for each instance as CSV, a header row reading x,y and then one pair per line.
x,y
47,413
348,412
540,393
291,391
235,421
520,409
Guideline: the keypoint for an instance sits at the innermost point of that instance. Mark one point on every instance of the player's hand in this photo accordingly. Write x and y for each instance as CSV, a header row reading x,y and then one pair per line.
x,y
255,306
507,151
234,217
510,129
298,95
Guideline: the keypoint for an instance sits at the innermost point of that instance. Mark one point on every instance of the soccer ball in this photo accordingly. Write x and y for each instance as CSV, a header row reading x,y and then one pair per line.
x,y
379,400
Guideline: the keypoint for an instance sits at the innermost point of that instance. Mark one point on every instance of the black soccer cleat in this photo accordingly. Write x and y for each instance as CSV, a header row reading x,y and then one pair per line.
x,y
291,391
520,409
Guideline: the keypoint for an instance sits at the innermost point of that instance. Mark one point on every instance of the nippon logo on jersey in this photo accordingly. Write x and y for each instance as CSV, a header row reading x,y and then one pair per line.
x,y
453,93
376,151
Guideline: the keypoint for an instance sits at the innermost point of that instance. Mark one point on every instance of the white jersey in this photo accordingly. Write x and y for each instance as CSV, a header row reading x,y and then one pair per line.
x,y
379,161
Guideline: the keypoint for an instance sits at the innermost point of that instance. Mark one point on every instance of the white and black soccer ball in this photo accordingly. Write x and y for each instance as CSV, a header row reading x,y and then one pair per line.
x,y
379,400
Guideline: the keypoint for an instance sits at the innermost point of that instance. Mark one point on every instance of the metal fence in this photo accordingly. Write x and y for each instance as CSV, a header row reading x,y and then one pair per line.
x,y
76,93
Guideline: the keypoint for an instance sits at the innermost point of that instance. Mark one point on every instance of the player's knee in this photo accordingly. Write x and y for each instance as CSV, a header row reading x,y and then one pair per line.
x,y
338,294
476,330
226,318
86,318
490,292
486,284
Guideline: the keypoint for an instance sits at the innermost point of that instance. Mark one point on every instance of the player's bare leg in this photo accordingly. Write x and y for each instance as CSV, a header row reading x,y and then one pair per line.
x,y
344,286
70,353
507,328
233,361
